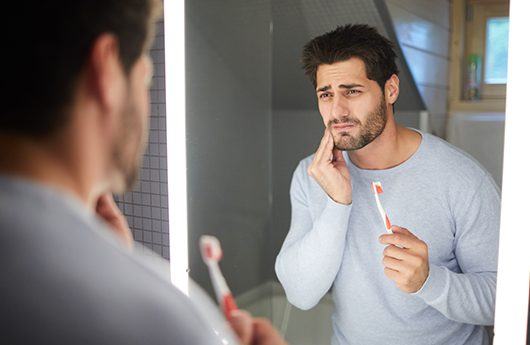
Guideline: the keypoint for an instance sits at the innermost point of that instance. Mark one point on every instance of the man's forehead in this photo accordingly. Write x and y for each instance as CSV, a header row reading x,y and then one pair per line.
x,y
349,71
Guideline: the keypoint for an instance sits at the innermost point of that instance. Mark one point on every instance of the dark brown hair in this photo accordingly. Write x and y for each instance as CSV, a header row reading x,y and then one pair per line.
x,y
345,42
48,44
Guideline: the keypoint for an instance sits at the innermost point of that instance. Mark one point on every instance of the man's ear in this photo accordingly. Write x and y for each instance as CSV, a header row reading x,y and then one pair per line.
x,y
105,72
392,89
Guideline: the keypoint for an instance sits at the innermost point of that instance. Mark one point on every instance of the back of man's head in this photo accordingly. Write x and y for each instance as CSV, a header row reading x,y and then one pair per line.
x,y
48,44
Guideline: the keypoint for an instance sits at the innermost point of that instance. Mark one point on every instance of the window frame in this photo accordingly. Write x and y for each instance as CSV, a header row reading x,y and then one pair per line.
x,y
478,12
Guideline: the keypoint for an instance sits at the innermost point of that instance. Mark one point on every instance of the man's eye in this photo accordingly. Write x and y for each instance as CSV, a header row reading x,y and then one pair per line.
x,y
353,92
324,95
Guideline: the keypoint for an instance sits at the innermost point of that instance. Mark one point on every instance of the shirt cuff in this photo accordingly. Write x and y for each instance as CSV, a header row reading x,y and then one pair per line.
x,y
337,205
334,216
435,285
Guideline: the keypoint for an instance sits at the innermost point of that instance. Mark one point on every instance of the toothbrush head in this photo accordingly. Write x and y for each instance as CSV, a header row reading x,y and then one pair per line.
x,y
378,187
210,249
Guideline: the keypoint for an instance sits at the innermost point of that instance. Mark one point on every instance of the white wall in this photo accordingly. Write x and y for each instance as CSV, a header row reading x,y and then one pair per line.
x,y
423,31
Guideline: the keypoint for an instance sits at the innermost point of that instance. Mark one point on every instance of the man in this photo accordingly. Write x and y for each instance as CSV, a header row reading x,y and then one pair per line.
x,y
433,280
72,128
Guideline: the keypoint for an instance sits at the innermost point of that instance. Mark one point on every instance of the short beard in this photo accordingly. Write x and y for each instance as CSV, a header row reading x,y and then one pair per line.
x,y
374,126
128,150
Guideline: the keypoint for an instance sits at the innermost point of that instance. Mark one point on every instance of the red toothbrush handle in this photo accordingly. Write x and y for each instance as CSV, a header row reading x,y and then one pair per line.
x,y
229,305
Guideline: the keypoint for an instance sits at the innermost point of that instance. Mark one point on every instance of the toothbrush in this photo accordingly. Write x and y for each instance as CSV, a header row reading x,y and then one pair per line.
x,y
377,188
211,255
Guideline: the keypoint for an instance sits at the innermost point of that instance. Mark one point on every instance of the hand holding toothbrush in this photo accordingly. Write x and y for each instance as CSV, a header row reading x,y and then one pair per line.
x,y
257,331
330,171
211,255
406,259
254,331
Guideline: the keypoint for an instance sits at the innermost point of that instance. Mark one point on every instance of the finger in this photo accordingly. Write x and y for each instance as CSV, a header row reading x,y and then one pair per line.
x,y
127,237
241,323
418,246
400,230
266,334
395,264
107,208
101,202
405,256
106,203
326,156
397,253
399,239
392,274
337,155
103,209
322,146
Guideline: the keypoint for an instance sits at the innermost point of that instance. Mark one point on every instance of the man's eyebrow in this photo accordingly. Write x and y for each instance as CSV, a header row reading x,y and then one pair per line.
x,y
342,86
350,86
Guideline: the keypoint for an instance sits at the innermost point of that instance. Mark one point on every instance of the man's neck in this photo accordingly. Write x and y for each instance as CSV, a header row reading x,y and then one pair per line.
x,y
394,146
41,162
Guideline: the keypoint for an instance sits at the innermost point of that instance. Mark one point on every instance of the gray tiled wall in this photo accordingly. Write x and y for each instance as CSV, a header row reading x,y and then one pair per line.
x,y
146,206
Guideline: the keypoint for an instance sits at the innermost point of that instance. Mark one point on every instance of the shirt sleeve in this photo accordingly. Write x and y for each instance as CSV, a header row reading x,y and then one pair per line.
x,y
469,296
312,252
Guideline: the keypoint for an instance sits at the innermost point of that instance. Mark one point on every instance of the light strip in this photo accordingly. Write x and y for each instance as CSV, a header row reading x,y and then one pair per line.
x,y
514,255
174,44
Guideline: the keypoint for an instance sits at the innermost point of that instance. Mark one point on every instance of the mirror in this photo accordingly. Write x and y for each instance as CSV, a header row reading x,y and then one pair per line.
x,y
252,116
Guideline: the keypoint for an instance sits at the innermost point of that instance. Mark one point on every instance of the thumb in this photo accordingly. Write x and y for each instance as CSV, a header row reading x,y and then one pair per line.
x,y
105,205
241,323
399,230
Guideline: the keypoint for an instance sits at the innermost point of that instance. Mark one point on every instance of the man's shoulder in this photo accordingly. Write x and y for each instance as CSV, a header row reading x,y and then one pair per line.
x,y
451,161
65,267
305,162
300,173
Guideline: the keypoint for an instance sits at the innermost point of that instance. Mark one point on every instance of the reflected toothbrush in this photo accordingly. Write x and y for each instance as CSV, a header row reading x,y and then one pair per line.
x,y
377,188
211,255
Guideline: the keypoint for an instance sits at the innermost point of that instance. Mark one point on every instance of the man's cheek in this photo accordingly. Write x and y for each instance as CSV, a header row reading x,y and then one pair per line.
x,y
322,112
325,118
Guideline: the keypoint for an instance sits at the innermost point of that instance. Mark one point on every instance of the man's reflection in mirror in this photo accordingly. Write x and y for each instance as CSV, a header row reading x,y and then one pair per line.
x,y
430,278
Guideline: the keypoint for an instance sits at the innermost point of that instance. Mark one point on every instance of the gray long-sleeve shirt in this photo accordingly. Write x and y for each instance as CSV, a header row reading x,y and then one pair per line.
x,y
442,196
67,280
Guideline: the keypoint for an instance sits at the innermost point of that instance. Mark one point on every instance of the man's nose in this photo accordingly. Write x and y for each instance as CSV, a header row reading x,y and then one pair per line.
x,y
339,109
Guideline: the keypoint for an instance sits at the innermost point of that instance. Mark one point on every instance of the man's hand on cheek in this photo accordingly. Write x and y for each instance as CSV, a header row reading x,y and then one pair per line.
x,y
107,209
407,266
330,171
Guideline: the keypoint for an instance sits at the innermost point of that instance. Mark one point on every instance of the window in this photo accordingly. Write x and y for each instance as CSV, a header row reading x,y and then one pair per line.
x,y
487,37
496,52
